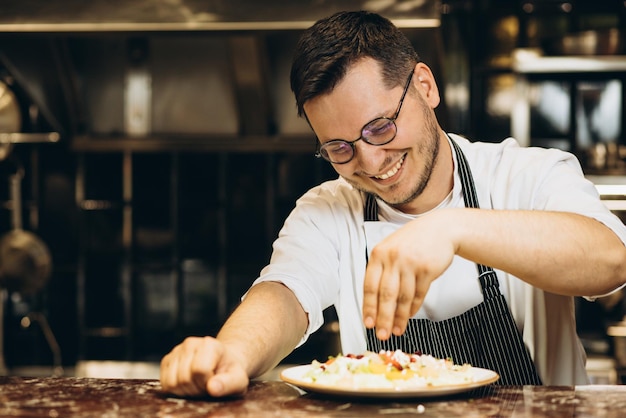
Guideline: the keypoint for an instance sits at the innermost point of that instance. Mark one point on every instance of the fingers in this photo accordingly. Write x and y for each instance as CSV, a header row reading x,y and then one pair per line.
x,y
371,285
388,291
232,381
395,285
390,297
200,366
185,370
406,298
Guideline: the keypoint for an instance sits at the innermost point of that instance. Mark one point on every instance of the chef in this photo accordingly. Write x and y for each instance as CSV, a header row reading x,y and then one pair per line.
x,y
427,242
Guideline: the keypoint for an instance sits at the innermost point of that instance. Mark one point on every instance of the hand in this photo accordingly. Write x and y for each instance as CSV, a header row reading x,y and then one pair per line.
x,y
200,366
400,270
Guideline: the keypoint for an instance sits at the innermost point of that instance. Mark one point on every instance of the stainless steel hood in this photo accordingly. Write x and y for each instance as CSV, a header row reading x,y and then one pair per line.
x,y
198,15
199,74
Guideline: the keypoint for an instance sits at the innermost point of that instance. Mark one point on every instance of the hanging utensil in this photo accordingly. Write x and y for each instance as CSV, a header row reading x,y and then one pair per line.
x,y
10,117
25,261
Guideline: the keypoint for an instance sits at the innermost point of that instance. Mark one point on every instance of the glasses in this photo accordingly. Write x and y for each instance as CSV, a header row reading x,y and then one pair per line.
x,y
378,132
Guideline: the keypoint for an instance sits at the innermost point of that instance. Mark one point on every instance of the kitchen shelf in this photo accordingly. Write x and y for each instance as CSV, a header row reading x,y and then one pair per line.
x,y
28,138
92,204
193,15
204,143
529,67
528,64
106,332
612,189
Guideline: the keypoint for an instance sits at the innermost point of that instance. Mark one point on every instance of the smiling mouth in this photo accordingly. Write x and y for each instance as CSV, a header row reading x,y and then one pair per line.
x,y
392,171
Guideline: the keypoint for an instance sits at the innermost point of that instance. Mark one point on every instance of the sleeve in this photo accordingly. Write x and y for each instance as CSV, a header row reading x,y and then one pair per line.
x,y
565,188
305,256
535,178
556,182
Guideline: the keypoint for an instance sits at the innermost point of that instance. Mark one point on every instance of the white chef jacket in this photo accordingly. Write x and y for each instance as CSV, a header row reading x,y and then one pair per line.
x,y
320,251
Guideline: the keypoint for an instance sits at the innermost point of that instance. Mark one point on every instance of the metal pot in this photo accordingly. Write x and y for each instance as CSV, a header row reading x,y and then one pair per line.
x,y
10,117
25,261
609,158
589,42
618,333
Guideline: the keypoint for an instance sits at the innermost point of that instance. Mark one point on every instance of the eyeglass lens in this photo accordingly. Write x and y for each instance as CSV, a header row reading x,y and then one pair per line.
x,y
380,131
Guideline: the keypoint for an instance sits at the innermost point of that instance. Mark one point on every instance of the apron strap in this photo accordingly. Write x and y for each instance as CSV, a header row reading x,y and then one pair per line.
x,y
370,211
471,201
487,277
485,336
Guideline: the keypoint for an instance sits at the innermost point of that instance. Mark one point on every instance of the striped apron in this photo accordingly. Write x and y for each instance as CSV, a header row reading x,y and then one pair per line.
x,y
484,336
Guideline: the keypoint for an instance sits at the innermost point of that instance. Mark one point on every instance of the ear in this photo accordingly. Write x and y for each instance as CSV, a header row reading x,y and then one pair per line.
x,y
425,82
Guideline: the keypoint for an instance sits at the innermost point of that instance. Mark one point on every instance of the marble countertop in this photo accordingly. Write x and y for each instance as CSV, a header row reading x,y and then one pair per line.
x,y
73,397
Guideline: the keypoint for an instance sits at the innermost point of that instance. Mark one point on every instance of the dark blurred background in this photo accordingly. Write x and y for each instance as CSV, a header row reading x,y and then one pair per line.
x,y
161,151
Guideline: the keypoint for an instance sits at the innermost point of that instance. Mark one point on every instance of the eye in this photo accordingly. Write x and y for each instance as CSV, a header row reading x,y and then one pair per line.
x,y
378,127
338,148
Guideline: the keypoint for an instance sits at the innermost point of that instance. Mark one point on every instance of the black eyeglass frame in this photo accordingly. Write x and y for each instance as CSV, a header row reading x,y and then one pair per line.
x,y
318,152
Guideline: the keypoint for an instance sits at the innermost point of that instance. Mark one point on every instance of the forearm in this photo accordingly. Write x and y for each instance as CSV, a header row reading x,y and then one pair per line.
x,y
559,252
265,328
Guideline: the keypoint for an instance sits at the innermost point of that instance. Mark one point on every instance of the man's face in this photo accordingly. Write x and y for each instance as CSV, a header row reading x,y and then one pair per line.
x,y
399,171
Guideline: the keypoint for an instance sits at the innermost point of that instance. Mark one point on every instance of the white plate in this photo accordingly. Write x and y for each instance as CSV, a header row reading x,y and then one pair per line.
x,y
294,376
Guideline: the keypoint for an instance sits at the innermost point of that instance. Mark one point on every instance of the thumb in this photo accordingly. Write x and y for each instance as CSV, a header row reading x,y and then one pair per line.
x,y
228,383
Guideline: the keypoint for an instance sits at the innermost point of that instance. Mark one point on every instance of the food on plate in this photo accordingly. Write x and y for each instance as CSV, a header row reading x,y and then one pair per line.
x,y
388,369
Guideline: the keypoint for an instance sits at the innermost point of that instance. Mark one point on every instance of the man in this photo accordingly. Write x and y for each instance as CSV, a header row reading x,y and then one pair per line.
x,y
427,242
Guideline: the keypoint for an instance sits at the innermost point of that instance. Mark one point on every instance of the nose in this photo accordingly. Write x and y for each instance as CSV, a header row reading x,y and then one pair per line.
x,y
370,158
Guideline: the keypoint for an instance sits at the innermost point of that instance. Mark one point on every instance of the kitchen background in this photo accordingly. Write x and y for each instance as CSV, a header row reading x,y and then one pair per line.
x,y
152,150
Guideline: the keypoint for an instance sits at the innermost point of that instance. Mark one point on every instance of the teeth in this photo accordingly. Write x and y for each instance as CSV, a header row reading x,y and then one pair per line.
x,y
391,172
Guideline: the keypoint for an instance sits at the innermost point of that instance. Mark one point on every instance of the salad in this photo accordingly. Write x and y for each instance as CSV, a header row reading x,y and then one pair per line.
x,y
388,369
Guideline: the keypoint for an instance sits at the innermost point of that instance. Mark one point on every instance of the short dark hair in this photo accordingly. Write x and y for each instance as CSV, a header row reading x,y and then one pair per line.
x,y
327,49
